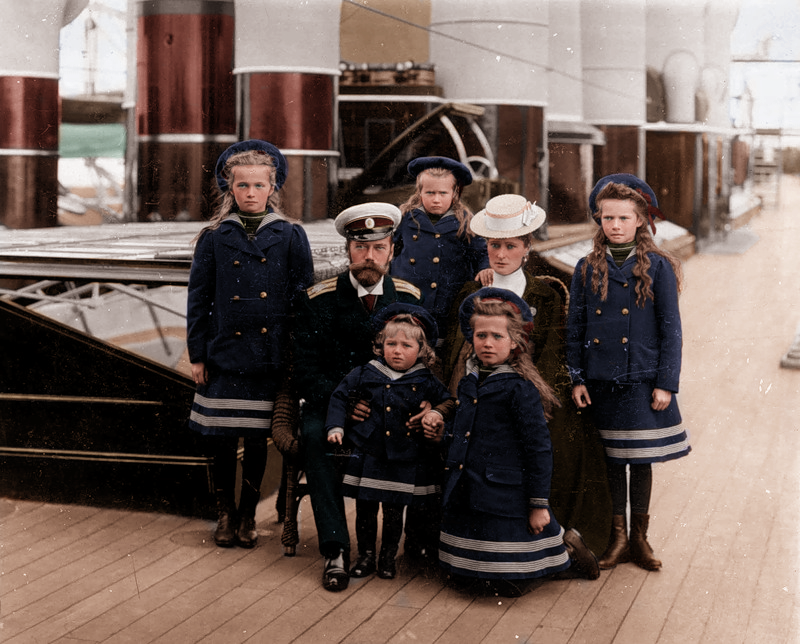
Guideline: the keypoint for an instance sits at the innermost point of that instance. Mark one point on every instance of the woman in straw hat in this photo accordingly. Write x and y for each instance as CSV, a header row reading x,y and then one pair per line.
x,y
579,495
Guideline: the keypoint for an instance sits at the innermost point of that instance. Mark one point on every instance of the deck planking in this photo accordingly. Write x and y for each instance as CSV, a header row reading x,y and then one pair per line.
x,y
725,521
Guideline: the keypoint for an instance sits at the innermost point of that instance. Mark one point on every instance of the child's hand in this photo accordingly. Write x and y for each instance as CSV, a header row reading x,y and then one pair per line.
x,y
335,439
580,395
538,518
485,277
415,422
661,399
360,411
433,426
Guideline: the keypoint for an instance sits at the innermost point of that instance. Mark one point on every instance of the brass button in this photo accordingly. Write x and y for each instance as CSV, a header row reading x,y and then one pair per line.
x,y
437,235
263,260
467,434
598,312
625,285
624,340
596,340
408,434
414,237
236,298
412,261
458,402
388,386
413,387
388,433
262,295
237,333
433,284
461,466
435,260
474,401
263,330
388,408
625,311
236,262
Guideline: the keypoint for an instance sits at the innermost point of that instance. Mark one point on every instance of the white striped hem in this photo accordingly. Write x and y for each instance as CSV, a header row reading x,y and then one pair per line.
x,y
647,452
502,546
537,565
641,434
229,421
390,486
233,403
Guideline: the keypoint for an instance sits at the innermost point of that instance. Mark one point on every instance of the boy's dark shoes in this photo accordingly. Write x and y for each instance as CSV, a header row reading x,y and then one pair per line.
x,y
582,558
225,535
365,565
335,576
387,567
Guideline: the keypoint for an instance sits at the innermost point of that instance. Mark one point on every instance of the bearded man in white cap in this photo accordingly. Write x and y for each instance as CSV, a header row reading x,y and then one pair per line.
x,y
333,335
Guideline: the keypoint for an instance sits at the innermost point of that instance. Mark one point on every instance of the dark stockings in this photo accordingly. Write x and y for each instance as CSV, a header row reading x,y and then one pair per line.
x,y
641,486
367,525
254,462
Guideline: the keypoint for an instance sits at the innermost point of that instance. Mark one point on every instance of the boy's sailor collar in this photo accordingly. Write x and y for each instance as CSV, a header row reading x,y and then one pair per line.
x,y
390,373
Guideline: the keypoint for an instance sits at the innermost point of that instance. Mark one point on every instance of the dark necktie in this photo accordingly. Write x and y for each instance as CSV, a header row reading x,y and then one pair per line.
x,y
369,301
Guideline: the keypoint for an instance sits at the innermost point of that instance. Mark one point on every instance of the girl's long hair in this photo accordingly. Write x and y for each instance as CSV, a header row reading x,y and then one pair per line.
x,y
644,245
520,359
413,330
225,203
460,211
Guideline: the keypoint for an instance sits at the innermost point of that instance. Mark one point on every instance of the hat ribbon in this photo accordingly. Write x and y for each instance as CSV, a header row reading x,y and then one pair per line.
x,y
513,221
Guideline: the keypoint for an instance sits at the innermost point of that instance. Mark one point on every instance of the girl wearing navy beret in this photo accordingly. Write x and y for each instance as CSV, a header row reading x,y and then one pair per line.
x,y
624,354
249,263
434,247
497,525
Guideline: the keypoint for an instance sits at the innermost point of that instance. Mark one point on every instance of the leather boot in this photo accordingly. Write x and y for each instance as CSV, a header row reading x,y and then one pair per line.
x,y
641,552
224,535
618,549
246,534
365,564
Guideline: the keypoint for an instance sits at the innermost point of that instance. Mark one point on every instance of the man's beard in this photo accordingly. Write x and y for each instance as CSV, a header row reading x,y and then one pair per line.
x,y
368,273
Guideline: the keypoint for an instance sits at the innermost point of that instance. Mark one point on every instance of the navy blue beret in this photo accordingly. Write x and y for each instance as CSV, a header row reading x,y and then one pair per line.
x,y
634,182
258,146
420,314
461,172
467,307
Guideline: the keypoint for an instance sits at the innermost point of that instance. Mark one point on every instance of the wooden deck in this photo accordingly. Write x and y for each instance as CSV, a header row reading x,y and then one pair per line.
x,y
726,523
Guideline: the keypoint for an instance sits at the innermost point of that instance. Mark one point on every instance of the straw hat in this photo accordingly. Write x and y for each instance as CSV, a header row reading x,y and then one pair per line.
x,y
507,216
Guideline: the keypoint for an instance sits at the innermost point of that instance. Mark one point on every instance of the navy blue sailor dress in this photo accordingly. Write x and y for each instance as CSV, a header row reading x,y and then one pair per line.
x,y
498,466
435,259
621,352
389,462
240,294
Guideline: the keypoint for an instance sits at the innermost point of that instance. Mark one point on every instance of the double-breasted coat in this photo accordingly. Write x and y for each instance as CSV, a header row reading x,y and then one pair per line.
x,y
241,289
391,463
436,259
621,352
333,335
498,466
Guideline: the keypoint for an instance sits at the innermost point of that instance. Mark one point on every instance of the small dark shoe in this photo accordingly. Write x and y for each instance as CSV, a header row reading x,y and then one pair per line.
x,y
247,535
365,565
582,558
334,575
224,535
387,566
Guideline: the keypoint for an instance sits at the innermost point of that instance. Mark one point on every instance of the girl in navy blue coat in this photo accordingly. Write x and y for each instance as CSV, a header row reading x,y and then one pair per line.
x,y
624,354
249,263
390,464
497,525
435,249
